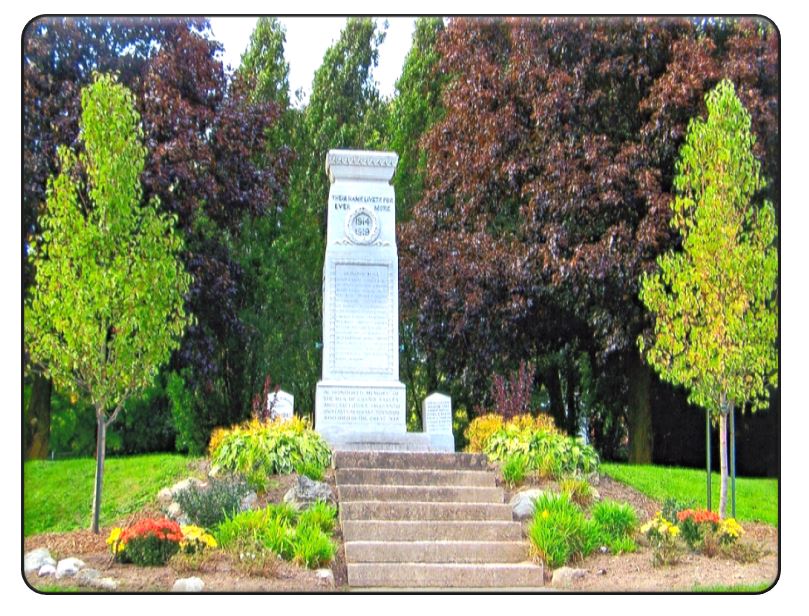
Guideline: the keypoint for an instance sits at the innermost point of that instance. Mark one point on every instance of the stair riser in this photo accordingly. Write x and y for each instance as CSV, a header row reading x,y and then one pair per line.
x,y
409,461
375,510
440,494
435,531
359,476
436,552
398,575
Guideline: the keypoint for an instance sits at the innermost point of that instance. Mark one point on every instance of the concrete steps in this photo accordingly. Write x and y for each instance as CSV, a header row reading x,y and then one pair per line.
x,y
428,520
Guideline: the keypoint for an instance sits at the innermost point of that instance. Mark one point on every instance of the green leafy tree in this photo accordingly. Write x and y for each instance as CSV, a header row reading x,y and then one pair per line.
x,y
414,109
714,301
344,111
106,309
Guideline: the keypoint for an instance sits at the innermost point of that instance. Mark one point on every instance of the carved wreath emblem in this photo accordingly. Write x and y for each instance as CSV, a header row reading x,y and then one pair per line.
x,y
362,226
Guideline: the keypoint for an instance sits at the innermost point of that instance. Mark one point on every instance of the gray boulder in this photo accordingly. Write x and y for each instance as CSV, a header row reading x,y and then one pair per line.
x,y
192,584
36,559
248,502
305,492
92,578
85,576
68,567
46,570
522,503
564,577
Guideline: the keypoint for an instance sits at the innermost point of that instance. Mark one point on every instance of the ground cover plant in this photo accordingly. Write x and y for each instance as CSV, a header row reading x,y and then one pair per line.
x,y
258,449
756,499
303,537
57,494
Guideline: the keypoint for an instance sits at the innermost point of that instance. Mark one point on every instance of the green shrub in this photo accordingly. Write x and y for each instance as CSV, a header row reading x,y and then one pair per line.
x,y
312,547
207,506
559,532
514,469
579,490
258,449
553,455
321,515
615,520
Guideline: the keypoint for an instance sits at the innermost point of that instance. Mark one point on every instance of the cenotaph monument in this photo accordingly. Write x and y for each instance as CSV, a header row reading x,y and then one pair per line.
x,y
360,402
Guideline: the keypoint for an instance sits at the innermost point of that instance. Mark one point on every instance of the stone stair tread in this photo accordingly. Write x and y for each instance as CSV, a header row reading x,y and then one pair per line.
x,y
452,551
420,510
430,477
437,530
397,493
457,575
409,460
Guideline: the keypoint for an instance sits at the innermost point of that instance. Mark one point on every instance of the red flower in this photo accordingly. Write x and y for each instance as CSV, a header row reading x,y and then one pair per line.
x,y
163,529
698,516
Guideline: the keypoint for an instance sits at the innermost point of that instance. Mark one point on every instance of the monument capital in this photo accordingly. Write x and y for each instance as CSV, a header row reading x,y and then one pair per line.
x,y
364,165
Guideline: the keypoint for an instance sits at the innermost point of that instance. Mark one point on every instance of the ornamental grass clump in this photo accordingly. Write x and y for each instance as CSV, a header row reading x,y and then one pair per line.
x,y
616,523
258,449
300,536
559,531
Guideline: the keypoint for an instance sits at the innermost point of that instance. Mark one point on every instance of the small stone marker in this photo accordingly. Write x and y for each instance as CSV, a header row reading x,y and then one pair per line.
x,y
436,413
282,404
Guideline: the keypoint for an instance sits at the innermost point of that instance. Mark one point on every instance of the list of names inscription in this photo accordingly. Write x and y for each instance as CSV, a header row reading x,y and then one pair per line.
x,y
362,318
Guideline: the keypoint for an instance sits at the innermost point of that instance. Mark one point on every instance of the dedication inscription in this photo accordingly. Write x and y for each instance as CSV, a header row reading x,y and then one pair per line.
x,y
360,391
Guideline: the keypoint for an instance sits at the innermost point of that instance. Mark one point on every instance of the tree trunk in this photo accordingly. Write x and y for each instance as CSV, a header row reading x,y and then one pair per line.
x,y
639,414
725,407
572,424
101,446
551,376
39,418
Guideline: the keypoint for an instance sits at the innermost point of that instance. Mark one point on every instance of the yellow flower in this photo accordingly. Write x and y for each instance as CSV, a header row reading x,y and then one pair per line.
x,y
673,530
114,540
545,514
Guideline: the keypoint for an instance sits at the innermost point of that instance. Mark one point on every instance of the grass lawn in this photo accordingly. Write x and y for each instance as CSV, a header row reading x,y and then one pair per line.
x,y
58,495
756,499
748,588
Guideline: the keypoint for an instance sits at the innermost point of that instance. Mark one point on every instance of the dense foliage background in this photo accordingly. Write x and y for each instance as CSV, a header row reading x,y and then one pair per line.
x,y
537,159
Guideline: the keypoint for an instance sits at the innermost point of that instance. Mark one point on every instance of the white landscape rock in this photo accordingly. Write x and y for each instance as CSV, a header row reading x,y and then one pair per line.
x,y
325,575
68,567
164,497
522,503
185,484
35,559
46,570
192,584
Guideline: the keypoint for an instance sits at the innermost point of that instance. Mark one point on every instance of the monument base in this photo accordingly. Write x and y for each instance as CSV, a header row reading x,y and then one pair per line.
x,y
370,416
